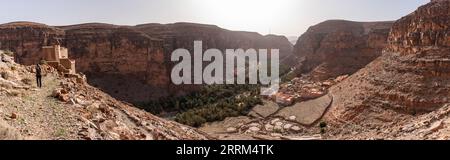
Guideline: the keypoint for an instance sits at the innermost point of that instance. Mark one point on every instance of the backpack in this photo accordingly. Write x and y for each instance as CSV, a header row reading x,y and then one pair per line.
x,y
38,70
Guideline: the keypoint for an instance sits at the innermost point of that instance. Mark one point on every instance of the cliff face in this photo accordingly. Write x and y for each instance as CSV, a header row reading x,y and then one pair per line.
x,y
338,47
183,35
410,78
424,29
26,40
131,63
124,62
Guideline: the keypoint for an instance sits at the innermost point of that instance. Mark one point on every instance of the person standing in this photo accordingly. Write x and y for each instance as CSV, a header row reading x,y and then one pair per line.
x,y
39,75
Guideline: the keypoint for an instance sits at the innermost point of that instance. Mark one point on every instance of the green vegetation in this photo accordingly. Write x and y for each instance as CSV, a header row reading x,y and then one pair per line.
x,y
323,130
42,62
218,111
212,103
4,75
323,125
9,53
288,77
60,132
27,81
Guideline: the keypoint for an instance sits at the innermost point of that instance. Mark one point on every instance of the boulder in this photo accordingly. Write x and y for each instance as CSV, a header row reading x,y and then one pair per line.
x,y
231,129
269,127
254,129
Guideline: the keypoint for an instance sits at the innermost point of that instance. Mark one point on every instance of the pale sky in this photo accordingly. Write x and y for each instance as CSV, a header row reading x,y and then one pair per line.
x,y
284,17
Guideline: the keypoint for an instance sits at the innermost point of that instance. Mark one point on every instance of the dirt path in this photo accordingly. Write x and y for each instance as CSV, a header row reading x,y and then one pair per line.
x,y
37,115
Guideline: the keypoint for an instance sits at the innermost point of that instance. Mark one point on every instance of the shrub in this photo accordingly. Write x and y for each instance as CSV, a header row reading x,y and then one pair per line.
x,y
9,53
218,111
212,103
322,131
191,119
27,81
288,77
323,124
4,75
42,62
414,112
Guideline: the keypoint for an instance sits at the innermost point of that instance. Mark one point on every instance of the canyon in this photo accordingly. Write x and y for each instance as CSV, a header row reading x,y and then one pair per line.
x,y
412,74
338,47
353,80
131,63
405,86
400,91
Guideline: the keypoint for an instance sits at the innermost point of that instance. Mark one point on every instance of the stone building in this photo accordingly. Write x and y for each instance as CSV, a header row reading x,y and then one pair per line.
x,y
58,57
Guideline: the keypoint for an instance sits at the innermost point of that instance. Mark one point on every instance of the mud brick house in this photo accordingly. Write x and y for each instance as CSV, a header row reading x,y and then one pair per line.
x,y
58,57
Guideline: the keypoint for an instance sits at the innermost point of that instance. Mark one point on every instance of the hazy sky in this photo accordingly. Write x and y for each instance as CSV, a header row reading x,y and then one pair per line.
x,y
285,17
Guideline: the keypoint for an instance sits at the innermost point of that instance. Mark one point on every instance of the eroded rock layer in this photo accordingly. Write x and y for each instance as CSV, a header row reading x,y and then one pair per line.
x,y
339,47
411,78
126,63
26,40
131,63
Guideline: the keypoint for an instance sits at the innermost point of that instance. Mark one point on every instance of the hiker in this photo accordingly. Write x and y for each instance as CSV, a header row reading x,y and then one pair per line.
x,y
39,75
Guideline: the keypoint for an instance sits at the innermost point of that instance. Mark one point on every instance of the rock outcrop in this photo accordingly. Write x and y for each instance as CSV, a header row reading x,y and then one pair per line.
x,y
410,78
338,47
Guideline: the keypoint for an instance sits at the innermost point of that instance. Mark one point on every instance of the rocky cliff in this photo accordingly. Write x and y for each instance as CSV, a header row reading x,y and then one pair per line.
x,y
338,47
126,63
131,63
26,39
183,35
410,78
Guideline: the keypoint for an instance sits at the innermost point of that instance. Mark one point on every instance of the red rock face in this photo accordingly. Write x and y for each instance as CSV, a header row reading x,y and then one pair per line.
x,y
338,47
183,35
126,63
426,28
26,40
131,63
410,77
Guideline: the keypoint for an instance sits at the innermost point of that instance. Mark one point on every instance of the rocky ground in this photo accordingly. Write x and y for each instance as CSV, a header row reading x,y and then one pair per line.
x,y
293,114
404,94
68,108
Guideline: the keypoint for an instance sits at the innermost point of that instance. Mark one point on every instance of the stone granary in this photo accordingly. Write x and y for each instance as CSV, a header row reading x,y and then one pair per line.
x,y
57,57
